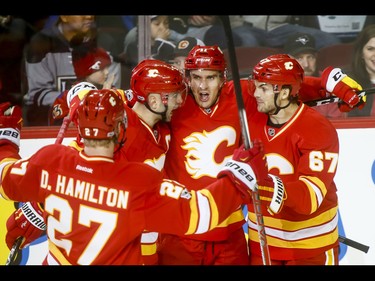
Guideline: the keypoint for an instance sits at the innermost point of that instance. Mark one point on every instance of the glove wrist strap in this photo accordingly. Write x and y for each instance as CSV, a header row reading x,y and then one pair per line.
x,y
11,135
242,171
278,195
32,216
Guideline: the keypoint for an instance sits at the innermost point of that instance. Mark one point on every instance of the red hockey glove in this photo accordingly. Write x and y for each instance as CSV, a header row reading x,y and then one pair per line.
x,y
255,156
10,123
238,169
249,171
240,172
76,94
10,116
344,87
27,222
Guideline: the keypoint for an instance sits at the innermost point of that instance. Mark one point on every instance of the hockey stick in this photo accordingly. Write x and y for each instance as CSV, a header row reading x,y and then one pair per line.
x,y
14,251
333,99
354,244
16,246
63,128
245,136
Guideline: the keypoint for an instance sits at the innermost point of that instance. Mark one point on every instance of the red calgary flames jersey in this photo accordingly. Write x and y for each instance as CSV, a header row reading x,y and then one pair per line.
x,y
201,143
96,208
145,144
304,154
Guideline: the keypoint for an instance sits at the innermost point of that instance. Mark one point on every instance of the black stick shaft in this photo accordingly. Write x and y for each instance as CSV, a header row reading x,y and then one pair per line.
x,y
354,244
245,135
334,99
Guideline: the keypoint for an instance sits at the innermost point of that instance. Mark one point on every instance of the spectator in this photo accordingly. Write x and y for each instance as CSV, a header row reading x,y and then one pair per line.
x,y
15,33
301,46
161,46
48,64
362,68
207,28
196,26
96,205
242,29
182,49
91,64
129,21
273,31
111,32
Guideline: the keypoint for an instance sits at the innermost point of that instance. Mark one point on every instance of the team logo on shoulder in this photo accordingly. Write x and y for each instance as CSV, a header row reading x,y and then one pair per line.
x,y
56,111
129,95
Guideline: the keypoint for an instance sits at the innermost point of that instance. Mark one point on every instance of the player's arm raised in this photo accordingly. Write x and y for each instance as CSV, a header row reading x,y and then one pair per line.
x,y
333,82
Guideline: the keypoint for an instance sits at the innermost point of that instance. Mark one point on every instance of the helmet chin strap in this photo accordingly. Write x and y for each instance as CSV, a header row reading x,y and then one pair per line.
x,y
278,108
120,138
163,114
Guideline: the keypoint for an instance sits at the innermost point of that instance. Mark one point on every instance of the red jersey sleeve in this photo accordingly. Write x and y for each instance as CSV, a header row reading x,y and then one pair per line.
x,y
203,209
311,89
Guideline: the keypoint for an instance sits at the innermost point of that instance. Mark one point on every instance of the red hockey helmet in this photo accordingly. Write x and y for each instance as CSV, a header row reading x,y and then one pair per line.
x,y
205,57
280,69
157,77
99,113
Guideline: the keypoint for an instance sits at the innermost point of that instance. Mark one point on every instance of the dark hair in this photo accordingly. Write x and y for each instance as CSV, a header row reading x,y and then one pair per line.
x,y
358,67
83,49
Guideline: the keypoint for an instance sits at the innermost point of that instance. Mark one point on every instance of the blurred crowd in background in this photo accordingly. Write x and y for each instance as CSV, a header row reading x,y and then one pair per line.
x,y
40,55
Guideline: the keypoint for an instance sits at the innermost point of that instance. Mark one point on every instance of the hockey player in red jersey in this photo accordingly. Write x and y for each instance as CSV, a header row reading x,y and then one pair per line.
x,y
296,188
205,132
149,104
157,89
311,89
96,207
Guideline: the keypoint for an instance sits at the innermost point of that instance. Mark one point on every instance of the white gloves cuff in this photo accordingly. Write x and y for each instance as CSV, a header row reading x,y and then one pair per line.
x,y
10,134
243,172
278,195
33,216
335,76
75,90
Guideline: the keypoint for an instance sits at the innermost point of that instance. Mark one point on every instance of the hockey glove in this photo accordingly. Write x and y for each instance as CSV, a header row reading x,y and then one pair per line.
x,y
10,116
27,222
344,87
249,171
10,123
76,94
272,193
239,170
